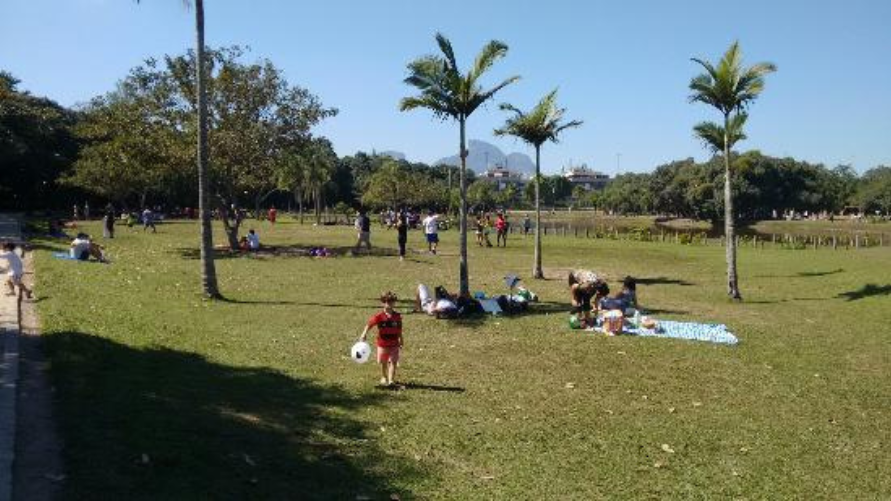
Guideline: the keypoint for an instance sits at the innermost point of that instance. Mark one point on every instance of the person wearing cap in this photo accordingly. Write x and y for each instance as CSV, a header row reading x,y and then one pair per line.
x,y
586,289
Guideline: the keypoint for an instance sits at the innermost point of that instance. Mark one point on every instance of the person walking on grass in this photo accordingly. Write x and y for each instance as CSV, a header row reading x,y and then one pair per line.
x,y
501,230
402,232
15,270
389,337
363,229
108,222
148,220
431,230
272,214
527,225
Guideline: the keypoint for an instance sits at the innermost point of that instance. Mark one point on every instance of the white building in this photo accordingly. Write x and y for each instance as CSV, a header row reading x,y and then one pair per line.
x,y
586,178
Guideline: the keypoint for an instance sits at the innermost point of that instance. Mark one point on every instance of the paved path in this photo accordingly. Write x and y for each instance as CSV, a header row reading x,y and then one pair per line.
x,y
9,366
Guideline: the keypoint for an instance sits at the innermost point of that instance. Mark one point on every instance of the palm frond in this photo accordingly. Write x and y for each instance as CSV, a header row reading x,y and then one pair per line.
x,y
481,97
446,47
491,52
543,123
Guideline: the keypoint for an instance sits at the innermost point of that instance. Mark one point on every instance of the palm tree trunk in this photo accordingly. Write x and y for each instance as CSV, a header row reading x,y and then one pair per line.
x,y
536,267
729,227
208,270
463,274
316,192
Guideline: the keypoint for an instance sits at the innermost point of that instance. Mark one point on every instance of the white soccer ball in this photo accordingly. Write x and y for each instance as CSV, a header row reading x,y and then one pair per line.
x,y
360,352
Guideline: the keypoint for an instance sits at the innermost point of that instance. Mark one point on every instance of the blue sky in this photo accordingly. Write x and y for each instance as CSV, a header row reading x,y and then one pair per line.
x,y
622,67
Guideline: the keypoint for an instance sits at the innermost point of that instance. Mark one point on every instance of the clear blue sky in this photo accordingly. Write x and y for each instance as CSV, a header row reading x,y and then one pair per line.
x,y
622,67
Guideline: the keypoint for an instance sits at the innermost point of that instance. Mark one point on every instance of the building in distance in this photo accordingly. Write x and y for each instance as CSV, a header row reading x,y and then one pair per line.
x,y
588,179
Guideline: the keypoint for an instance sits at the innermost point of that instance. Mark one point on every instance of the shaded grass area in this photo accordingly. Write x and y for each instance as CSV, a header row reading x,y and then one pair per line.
x,y
255,397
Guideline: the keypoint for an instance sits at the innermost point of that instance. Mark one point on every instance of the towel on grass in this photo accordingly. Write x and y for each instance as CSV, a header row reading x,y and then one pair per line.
x,y
713,333
64,255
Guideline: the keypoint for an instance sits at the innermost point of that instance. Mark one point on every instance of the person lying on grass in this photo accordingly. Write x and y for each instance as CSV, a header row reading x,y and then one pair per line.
x,y
389,337
441,304
585,286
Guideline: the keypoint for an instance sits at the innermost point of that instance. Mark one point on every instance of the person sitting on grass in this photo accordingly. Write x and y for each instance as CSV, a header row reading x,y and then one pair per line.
x,y
15,270
585,286
83,248
253,240
440,304
629,293
389,337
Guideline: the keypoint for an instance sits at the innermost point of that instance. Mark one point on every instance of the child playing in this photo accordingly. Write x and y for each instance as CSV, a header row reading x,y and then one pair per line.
x,y
389,337
15,270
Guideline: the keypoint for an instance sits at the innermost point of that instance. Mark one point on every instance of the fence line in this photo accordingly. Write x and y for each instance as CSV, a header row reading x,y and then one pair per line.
x,y
848,241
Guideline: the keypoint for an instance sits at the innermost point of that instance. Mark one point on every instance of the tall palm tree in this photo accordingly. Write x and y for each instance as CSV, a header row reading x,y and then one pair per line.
x,y
208,268
729,87
450,94
317,172
542,124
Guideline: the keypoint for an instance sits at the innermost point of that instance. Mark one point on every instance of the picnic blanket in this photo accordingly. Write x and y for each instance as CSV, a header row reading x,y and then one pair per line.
x,y
64,255
712,333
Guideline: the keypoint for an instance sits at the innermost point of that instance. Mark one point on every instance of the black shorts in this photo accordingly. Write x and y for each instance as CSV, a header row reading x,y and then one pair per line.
x,y
584,307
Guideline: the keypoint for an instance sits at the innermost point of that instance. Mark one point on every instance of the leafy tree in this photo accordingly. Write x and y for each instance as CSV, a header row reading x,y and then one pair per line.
x,y
125,156
874,193
36,146
481,195
543,123
208,269
320,160
729,87
451,94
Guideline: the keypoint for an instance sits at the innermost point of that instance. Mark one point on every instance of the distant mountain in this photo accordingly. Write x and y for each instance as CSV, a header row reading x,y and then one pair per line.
x,y
521,162
395,155
482,155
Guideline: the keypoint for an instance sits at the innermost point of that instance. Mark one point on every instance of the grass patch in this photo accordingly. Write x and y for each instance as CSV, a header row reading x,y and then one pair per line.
x,y
162,395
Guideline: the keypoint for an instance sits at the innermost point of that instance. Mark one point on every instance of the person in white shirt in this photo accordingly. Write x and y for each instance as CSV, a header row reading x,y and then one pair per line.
x,y
431,229
15,270
438,305
82,248
253,240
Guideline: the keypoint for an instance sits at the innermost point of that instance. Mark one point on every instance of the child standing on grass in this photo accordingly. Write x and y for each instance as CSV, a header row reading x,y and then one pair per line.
x,y
389,337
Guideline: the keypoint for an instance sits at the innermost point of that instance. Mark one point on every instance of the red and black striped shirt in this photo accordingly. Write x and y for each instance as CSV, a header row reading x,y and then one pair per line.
x,y
389,328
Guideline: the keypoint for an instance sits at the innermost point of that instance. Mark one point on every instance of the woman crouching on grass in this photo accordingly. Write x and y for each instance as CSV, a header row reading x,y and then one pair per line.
x,y
585,291
389,337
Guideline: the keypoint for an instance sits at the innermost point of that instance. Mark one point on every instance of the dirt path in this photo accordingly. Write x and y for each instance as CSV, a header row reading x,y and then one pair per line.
x,y
37,470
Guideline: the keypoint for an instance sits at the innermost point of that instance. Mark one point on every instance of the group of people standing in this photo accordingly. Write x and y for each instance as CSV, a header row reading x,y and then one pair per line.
x,y
484,226
430,224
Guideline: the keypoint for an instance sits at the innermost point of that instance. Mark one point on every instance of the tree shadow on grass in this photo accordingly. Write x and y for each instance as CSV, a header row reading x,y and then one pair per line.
x,y
270,251
867,290
154,423
249,301
663,281
805,274
427,387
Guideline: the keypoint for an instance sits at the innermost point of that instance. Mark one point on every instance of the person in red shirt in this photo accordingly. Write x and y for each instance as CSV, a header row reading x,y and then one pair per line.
x,y
389,337
272,215
500,230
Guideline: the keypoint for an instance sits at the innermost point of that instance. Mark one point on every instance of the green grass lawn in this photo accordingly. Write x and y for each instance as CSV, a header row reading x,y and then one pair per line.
x,y
162,395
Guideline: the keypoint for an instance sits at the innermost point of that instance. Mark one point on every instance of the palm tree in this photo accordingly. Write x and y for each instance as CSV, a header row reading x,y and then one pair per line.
x,y
544,123
317,172
729,87
208,269
449,94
